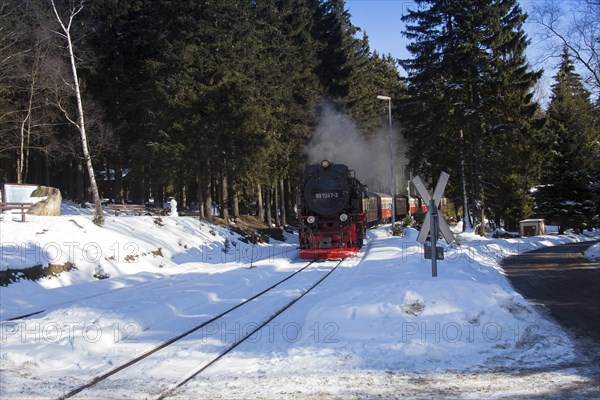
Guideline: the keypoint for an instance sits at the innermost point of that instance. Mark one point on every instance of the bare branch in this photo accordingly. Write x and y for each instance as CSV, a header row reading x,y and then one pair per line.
x,y
581,35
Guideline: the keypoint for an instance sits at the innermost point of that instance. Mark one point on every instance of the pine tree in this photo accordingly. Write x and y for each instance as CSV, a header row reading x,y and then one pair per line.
x,y
123,40
468,95
334,34
567,194
513,155
373,75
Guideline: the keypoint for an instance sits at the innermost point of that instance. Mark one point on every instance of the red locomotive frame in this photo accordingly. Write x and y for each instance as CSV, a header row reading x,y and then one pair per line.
x,y
332,213
332,238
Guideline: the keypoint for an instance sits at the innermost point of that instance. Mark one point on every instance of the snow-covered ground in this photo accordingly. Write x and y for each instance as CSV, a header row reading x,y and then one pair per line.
x,y
593,252
379,326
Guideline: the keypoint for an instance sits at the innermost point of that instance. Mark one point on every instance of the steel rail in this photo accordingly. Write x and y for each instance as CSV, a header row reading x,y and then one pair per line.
x,y
169,342
204,367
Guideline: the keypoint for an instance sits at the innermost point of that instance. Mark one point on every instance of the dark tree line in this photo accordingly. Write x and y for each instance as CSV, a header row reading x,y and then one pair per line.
x,y
210,102
470,111
213,102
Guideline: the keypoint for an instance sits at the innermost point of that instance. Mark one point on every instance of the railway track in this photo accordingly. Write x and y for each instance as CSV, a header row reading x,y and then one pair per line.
x,y
56,306
78,299
284,294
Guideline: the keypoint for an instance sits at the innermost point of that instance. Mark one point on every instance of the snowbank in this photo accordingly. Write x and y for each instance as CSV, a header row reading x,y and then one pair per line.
x,y
380,313
593,252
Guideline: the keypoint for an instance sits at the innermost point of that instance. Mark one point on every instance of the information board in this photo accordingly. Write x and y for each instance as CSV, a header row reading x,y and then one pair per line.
x,y
16,193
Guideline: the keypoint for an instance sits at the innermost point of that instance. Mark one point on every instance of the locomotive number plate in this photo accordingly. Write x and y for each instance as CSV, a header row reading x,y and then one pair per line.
x,y
329,195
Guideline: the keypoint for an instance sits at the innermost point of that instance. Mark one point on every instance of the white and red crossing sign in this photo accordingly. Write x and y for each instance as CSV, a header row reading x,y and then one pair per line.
x,y
433,222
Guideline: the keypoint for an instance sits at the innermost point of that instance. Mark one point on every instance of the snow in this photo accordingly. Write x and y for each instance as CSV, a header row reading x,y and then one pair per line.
x,y
34,200
379,325
593,252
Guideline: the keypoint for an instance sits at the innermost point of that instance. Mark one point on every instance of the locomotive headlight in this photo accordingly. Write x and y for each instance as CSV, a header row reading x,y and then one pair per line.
x,y
344,217
325,164
311,219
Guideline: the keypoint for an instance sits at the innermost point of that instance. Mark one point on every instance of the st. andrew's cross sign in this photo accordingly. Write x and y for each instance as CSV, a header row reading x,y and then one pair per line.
x,y
433,222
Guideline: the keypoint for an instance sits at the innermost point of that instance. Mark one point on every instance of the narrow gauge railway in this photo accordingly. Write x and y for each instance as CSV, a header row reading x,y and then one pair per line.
x,y
174,350
15,316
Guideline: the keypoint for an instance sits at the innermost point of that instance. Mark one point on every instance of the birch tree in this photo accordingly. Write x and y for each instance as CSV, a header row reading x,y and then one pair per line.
x,y
66,23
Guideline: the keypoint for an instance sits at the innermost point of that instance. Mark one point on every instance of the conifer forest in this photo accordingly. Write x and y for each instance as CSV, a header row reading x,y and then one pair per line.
x,y
213,103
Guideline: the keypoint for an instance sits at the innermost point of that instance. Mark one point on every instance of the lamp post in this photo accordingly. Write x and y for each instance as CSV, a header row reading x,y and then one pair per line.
x,y
392,175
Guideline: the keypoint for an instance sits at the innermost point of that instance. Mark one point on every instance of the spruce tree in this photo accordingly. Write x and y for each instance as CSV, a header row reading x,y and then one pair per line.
x,y
373,75
123,40
469,95
334,34
567,194
513,155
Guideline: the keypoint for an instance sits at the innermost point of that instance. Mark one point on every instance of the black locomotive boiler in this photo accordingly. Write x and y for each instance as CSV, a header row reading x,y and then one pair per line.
x,y
332,211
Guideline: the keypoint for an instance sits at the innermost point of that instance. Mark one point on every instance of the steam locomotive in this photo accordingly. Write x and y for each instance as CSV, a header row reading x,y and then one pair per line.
x,y
334,210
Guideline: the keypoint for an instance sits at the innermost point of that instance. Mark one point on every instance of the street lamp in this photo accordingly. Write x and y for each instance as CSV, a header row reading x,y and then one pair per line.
x,y
392,175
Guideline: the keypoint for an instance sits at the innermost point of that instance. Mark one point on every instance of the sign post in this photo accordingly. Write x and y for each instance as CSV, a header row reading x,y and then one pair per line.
x,y
433,223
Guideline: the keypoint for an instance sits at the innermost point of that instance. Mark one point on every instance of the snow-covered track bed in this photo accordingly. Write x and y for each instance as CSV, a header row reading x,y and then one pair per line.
x,y
159,371
32,311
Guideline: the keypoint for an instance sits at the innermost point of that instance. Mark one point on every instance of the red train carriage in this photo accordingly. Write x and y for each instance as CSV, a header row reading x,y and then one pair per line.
x,y
378,208
414,205
405,206
425,207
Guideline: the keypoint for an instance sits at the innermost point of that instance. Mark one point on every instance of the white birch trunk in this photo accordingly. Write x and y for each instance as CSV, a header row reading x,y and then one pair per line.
x,y
466,219
80,124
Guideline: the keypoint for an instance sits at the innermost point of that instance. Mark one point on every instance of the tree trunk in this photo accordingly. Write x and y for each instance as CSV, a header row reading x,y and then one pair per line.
x,y
282,203
276,195
143,187
119,192
224,199
480,189
235,201
259,203
482,211
65,181
207,192
80,124
23,161
25,138
80,185
467,227
289,201
183,197
268,206
200,190
46,172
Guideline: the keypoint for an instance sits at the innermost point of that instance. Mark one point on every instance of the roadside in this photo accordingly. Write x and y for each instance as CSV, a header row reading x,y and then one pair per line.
x,y
564,285
564,281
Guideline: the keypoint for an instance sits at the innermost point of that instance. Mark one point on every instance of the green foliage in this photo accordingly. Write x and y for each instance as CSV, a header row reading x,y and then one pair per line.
x,y
568,194
191,91
469,101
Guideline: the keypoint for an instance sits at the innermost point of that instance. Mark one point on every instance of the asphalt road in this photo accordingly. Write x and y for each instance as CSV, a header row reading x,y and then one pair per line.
x,y
564,281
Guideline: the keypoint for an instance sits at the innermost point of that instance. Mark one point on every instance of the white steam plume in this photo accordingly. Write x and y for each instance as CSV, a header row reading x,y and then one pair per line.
x,y
337,139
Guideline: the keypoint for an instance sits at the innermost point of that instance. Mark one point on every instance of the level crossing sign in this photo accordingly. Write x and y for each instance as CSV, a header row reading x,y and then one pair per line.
x,y
433,223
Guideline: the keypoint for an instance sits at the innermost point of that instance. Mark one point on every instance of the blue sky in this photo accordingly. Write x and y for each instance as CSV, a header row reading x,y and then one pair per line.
x,y
380,19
